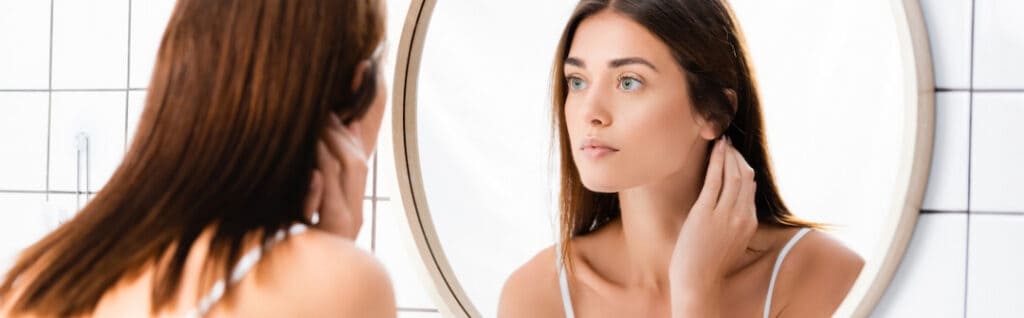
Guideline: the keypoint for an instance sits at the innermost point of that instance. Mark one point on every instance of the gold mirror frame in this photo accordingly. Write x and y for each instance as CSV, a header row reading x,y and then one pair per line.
x,y
915,162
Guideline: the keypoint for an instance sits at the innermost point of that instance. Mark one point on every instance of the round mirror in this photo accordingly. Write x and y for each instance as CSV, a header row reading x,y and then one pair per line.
x,y
847,95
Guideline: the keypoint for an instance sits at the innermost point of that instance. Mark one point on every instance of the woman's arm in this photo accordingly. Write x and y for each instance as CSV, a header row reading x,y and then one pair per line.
x,y
716,233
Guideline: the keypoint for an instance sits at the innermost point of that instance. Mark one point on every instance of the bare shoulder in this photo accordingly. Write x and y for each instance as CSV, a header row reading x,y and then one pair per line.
x,y
816,275
325,274
532,290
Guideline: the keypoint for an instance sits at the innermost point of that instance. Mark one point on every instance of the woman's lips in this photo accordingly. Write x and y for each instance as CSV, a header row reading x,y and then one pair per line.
x,y
595,149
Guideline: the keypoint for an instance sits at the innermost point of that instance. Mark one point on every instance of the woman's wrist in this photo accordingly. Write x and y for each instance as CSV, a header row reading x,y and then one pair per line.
x,y
694,298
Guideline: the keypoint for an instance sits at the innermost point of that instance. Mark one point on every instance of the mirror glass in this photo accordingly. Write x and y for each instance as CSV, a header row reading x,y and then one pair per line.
x,y
832,79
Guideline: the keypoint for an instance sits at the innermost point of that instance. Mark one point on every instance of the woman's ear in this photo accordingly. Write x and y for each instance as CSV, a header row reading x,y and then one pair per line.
x,y
708,129
730,95
359,75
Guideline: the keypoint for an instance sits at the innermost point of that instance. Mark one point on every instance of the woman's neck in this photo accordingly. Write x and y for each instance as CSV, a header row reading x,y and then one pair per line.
x,y
652,216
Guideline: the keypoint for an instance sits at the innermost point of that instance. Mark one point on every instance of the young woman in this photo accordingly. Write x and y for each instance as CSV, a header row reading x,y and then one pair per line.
x,y
668,204
259,118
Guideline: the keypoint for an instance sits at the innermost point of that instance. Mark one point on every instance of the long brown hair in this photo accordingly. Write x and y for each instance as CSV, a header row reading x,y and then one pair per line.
x,y
240,94
706,42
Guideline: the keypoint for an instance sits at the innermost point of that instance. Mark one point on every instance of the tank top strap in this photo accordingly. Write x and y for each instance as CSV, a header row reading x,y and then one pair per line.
x,y
778,264
244,265
563,283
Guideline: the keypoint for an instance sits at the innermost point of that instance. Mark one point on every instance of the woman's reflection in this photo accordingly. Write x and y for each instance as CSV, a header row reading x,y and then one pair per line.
x,y
668,203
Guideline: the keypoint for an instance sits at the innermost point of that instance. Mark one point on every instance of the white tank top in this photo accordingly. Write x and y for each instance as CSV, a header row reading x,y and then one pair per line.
x,y
244,265
563,281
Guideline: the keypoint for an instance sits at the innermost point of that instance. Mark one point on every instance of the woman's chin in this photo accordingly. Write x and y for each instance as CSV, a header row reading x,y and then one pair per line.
x,y
601,185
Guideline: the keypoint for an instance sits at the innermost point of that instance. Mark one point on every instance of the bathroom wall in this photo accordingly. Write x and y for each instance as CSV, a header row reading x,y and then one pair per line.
x,y
73,78
965,258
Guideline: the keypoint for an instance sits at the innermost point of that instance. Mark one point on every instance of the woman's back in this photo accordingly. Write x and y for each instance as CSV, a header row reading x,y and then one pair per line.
x,y
311,273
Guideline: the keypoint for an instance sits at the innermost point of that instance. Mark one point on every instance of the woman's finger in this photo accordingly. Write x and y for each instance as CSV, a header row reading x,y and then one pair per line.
x,y
345,144
350,151
745,200
746,196
354,171
732,181
713,178
334,203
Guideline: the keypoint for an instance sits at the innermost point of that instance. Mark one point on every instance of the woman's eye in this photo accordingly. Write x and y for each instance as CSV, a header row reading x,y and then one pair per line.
x,y
629,83
576,83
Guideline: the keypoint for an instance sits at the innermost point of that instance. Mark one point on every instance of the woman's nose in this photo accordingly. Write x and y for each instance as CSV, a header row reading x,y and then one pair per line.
x,y
596,109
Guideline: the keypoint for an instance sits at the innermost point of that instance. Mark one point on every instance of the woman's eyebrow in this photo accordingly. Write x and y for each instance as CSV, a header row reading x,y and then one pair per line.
x,y
575,62
620,62
631,60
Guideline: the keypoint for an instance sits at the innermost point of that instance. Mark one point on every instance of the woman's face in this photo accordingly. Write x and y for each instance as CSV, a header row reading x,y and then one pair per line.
x,y
628,110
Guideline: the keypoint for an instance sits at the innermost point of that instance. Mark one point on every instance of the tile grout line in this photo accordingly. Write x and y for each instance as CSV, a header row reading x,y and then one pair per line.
x,y
996,213
975,212
77,90
932,211
970,146
49,106
980,90
48,192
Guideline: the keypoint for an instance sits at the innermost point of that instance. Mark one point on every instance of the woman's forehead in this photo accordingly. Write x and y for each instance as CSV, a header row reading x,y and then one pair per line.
x,y
608,36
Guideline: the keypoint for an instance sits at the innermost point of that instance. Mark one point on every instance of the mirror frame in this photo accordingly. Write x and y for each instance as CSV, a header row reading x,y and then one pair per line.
x,y
912,178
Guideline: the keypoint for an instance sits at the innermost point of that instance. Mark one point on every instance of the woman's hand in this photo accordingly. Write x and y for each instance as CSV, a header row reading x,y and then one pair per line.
x,y
339,180
715,234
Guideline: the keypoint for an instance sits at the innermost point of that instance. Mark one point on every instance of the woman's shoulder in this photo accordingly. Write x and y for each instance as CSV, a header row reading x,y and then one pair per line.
x,y
816,275
319,273
532,290
818,252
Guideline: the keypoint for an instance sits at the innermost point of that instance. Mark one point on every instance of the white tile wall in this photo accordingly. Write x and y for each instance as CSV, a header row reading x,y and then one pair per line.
x,y
997,152
136,101
949,26
365,238
947,181
90,44
25,37
999,44
21,223
388,184
149,19
930,281
61,207
995,284
101,117
23,140
394,248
